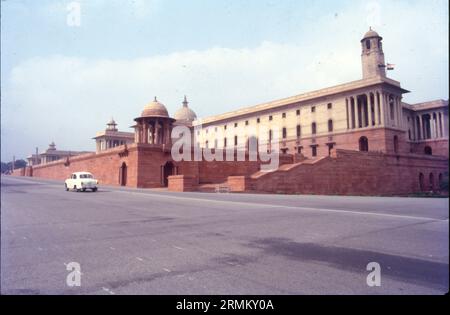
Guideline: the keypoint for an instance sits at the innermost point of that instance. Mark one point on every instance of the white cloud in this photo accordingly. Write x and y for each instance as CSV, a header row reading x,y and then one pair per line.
x,y
68,99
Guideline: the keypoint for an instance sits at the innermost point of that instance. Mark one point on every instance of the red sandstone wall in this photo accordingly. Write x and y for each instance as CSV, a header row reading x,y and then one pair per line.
x,y
104,166
439,147
353,173
380,140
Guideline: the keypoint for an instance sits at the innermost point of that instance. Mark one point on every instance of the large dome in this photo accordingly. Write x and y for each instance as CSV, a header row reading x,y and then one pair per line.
x,y
370,33
185,114
154,109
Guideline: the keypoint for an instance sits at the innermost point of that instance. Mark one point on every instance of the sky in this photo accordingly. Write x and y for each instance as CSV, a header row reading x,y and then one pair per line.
x,y
67,67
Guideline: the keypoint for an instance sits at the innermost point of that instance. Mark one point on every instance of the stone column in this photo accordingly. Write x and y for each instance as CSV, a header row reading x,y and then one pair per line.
x,y
384,120
357,112
400,112
422,134
347,113
369,109
441,124
156,132
145,132
353,112
431,126
380,108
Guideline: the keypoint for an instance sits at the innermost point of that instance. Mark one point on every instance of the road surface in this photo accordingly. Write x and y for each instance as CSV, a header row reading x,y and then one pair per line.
x,y
137,241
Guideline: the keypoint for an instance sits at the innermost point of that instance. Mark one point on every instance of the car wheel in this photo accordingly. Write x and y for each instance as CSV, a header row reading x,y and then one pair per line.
x,y
75,188
94,189
67,188
84,189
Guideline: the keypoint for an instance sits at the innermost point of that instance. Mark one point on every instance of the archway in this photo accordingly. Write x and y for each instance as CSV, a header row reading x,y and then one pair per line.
x,y
363,144
395,144
167,171
421,182
431,181
427,150
123,174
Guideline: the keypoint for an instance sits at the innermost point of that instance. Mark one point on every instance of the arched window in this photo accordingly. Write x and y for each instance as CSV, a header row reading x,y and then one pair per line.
x,y
313,128
363,144
421,182
123,174
427,150
368,43
330,125
395,144
431,181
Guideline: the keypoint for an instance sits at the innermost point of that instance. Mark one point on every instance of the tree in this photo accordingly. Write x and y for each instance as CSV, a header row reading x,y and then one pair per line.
x,y
6,167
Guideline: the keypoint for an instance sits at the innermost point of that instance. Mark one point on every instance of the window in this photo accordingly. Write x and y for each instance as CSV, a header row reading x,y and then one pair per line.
x,y
329,105
330,147
225,127
270,135
297,112
313,128
284,133
206,144
395,144
224,142
283,115
313,109
270,117
246,122
215,129
257,120
298,131
427,150
431,180
330,125
314,150
363,144
368,44
215,143
207,130
235,125
299,149
235,140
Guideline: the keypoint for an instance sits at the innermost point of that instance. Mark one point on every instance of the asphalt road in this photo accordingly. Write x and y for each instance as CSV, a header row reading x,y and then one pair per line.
x,y
135,241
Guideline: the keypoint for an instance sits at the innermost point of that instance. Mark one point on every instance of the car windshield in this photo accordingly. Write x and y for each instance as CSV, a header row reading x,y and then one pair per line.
x,y
85,176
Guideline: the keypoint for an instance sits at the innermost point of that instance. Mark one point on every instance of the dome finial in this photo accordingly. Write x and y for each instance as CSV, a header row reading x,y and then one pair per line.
x,y
185,102
370,28
155,99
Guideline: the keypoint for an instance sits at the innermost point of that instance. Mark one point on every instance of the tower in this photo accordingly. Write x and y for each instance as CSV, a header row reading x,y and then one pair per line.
x,y
372,55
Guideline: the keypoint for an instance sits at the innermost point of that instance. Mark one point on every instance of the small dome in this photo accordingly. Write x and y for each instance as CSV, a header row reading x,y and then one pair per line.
x,y
154,108
371,33
185,114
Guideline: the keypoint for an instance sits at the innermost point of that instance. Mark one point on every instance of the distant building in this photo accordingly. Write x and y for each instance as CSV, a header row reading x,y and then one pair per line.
x,y
111,137
51,155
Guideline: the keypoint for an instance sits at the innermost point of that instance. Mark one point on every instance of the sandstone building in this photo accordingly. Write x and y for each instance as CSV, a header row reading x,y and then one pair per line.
x,y
354,138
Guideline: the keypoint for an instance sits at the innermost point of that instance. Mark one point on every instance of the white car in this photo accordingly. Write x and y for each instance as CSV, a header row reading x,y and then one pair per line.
x,y
81,181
